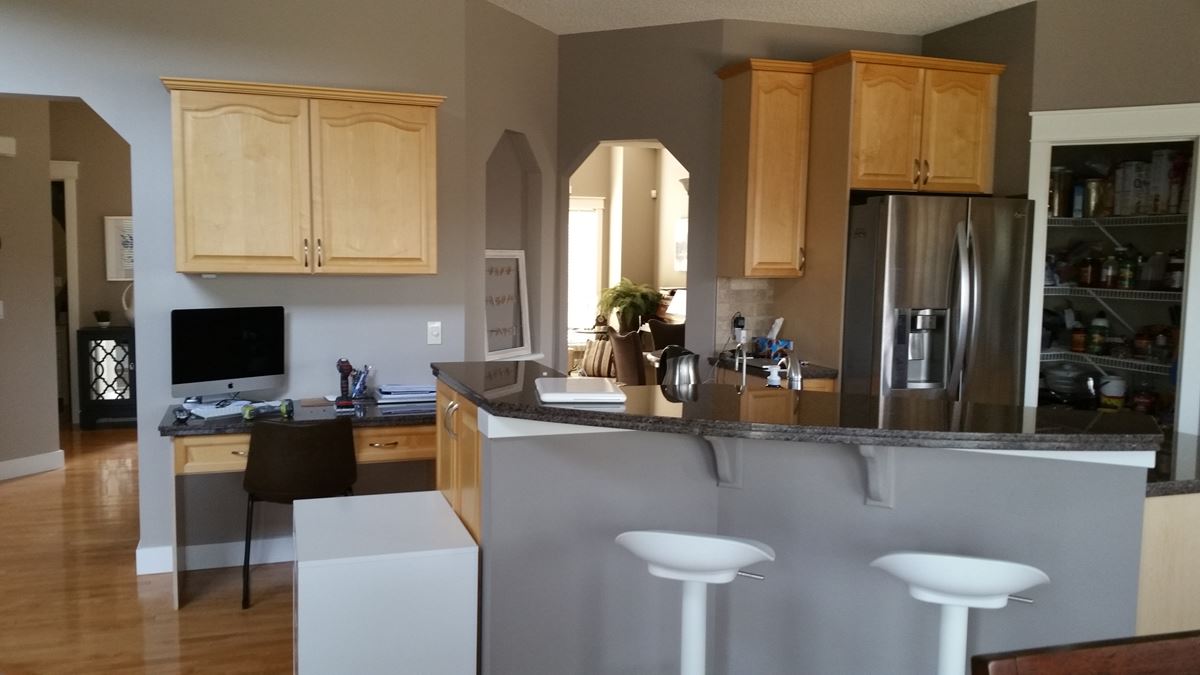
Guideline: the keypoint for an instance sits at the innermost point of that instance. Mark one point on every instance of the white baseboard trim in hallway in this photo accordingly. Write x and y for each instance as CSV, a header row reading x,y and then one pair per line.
x,y
25,466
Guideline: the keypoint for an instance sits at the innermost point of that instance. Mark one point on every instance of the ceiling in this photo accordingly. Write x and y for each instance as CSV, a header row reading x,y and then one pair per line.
x,y
905,17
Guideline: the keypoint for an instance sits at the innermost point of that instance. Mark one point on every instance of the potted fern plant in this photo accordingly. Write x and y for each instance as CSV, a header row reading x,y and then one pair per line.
x,y
631,301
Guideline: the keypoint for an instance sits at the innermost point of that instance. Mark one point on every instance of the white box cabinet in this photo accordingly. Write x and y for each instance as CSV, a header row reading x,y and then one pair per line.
x,y
384,584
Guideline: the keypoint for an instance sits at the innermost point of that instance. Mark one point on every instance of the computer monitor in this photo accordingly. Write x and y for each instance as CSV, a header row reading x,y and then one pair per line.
x,y
226,350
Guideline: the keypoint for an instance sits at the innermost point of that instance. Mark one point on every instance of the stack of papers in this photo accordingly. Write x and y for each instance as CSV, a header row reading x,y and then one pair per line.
x,y
406,394
228,408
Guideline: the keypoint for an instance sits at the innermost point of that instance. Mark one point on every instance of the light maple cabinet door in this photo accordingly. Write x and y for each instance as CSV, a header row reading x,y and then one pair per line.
x,y
885,127
445,445
764,169
467,467
958,131
241,182
374,189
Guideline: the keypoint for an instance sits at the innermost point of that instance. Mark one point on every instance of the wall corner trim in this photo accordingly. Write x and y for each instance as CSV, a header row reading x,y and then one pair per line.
x,y
25,466
154,559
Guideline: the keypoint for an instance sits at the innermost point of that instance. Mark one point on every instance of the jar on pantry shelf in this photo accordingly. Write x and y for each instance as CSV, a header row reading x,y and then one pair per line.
x,y
1078,339
1150,276
1097,334
1112,392
1126,273
1142,344
1144,399
1174,277
1108,272
1086,272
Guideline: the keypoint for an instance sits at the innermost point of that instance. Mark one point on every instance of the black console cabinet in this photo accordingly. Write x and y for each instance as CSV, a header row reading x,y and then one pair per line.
x,y
106,383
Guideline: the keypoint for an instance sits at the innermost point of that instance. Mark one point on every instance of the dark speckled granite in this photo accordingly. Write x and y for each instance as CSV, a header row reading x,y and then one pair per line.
x,y
367,415
506,389
1167,488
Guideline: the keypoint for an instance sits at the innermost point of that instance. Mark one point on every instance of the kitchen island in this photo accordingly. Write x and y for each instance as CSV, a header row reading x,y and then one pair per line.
x,y
830,481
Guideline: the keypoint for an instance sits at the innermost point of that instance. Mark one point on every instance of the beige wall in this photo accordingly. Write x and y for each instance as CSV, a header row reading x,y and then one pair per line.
x,y
78,134
639,222
1106,53
1008,38
672,205
28,388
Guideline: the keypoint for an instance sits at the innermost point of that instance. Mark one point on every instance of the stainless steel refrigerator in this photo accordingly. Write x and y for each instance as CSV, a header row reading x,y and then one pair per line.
x,y
937,292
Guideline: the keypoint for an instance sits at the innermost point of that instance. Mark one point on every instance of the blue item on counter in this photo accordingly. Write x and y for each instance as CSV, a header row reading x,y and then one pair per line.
x,y
768,348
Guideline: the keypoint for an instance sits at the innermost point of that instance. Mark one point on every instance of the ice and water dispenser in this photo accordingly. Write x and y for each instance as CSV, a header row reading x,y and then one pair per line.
x,y
920,350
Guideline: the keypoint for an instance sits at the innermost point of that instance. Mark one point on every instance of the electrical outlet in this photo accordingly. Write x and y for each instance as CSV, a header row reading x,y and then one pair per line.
x,y
1,309
433,332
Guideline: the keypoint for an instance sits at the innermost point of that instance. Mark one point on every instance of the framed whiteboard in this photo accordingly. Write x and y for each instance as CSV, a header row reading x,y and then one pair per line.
x,y
505,305
118,247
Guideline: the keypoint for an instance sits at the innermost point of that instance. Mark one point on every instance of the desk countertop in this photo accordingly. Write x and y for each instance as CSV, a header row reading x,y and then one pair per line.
x,y
365,415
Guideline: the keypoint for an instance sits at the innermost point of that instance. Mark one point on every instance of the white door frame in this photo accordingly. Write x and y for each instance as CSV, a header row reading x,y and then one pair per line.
x,y
1180,122
68,173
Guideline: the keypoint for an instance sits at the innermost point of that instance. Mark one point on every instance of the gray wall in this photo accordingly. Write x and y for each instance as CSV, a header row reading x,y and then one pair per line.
x,y
588,606
112,54
1105,53
1004,37
78,134
28,389
511,85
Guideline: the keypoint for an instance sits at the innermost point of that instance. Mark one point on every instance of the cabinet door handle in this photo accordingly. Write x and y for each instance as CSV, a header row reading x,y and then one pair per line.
x,y
320,254
239,453
803,258
446,415
916,171
926,172
306,251
449,415
390,444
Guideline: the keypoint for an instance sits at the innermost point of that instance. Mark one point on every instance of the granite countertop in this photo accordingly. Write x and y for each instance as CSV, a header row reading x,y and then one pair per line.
x,y
757,368
366,415
506,389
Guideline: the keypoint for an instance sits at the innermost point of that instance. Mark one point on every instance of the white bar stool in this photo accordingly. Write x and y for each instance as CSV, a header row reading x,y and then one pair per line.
x,y
958,583
697,560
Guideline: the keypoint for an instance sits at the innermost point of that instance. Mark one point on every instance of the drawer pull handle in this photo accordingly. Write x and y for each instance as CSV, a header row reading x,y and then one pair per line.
x,y
239,453
389,444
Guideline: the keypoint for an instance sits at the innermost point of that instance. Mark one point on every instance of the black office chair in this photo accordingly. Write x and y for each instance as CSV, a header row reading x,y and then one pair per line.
x,y
296,460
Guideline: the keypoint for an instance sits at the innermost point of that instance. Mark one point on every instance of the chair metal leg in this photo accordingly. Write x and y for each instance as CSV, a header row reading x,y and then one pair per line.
x,y
246,559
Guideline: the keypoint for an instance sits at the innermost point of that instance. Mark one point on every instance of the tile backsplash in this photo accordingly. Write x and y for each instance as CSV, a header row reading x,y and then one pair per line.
x,y
754,298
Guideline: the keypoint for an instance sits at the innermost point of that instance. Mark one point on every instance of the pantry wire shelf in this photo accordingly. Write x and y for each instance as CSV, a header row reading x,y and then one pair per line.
x,y
1120,221
1114,293
1103,362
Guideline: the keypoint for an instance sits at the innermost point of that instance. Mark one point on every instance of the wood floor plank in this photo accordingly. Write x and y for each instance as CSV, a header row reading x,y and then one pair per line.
x,y
70,597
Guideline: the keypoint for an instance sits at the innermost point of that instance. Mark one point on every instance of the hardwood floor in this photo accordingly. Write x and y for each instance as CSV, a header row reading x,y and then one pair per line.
x,y
70,599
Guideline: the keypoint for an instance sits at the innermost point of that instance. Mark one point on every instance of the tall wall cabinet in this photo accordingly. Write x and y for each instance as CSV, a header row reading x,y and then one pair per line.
x,y
303,180
764,168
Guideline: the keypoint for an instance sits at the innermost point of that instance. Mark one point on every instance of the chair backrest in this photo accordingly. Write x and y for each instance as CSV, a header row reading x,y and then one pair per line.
x,y
666,333
300,460
627,352
598,359
1166,654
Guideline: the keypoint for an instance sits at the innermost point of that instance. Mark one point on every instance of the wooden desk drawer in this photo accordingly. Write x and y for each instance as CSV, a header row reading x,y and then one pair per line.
x,y
395,444
211,454
222,453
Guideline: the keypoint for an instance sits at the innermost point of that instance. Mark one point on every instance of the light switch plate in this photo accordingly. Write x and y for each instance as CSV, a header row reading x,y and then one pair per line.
x,y
1,309
433,332
8,146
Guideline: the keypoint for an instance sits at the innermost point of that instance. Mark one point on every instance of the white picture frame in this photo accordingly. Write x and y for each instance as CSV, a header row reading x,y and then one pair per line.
x,y
118,248
506,305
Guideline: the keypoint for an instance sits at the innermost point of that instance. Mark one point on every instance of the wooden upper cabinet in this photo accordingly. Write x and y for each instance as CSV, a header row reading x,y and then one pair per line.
x,y
885,134
764,168
373,187
241,182
918,123
293,179
958,131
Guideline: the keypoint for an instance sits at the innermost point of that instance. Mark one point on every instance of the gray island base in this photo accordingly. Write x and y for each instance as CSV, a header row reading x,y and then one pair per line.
x,y
559,596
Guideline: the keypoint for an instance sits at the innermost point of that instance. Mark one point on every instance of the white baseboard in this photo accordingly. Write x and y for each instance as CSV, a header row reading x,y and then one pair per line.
x,y
229,553
157,559
24,466
154,559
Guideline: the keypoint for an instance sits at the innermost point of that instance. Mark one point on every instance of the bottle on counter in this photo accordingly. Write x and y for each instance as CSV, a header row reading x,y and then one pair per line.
x,y
1097,334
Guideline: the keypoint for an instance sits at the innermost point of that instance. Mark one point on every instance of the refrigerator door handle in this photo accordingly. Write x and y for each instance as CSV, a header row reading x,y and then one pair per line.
x,y
962,310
